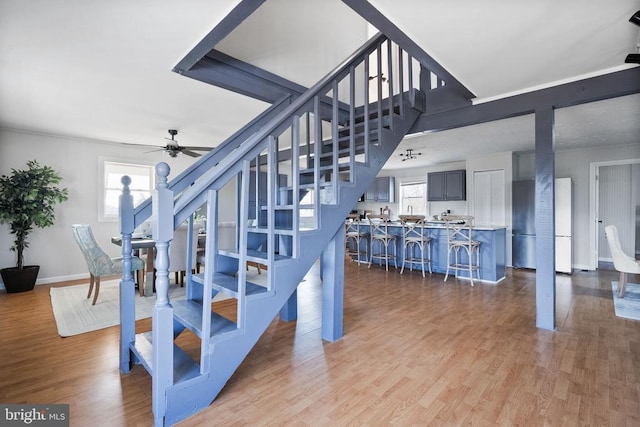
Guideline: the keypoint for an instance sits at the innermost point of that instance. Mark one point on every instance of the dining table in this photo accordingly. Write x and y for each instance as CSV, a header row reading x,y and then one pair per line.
x,y
147,245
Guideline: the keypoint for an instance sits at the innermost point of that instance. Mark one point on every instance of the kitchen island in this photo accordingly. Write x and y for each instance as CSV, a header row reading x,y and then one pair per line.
x,y
492,249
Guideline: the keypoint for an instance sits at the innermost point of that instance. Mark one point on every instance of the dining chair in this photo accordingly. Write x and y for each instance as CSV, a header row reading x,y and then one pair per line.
x,y
621,261
98,262
178,251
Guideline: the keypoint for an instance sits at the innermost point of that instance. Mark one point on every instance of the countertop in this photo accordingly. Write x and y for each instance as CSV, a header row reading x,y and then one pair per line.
x,y
441,224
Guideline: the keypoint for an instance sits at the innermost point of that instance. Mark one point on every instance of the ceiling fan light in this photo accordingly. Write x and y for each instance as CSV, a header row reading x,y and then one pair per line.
x,y
635,19
632,58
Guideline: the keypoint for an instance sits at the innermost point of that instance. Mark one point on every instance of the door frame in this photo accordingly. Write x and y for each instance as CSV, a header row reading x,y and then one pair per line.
x,y
594,198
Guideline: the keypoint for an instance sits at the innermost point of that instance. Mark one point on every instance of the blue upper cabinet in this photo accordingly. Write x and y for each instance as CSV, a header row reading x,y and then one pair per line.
x,y
447,186
382,189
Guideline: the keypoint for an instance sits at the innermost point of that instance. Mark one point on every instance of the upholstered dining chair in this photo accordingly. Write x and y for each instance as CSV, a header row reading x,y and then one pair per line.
x,y
98,262
178,251
621,261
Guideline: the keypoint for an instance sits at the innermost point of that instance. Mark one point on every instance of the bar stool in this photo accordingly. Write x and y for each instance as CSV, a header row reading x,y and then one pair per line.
x,y
355,234
379,229
415,240
459,229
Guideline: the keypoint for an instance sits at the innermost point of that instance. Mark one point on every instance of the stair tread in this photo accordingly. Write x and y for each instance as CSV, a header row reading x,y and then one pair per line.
x,y
229,284
189,313
282,231
341,167
185,367
311,186
253,255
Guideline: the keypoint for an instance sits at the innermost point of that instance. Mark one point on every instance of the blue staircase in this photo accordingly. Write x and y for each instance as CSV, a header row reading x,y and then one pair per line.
x,y
299,168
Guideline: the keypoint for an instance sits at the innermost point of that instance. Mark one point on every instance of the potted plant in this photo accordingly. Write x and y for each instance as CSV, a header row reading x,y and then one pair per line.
x,y
27,199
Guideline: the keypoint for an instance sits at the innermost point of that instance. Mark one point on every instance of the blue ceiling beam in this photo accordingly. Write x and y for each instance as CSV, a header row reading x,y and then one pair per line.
x,y
239,13
219,69
598,88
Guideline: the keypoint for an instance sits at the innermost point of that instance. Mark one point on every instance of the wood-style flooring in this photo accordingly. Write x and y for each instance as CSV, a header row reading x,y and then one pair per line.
x,y
415,352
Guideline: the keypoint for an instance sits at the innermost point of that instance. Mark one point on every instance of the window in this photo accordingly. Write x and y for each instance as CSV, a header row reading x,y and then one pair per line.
x,y
142,182
413,198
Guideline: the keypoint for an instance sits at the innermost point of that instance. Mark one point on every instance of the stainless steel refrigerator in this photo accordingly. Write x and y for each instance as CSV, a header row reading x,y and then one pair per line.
x,y
524,226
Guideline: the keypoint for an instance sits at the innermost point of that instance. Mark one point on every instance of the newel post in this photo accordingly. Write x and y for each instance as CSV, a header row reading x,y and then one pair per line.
x,y
162,320
127,287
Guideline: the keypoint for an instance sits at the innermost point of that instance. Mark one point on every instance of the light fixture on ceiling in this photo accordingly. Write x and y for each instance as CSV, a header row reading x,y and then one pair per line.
x,y
409,155
634,58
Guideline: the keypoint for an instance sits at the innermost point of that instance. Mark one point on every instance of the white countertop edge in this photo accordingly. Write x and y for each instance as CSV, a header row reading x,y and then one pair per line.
x,y
438,225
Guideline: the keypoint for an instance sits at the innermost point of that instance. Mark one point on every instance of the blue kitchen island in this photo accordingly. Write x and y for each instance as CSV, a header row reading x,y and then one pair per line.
x,y
492,249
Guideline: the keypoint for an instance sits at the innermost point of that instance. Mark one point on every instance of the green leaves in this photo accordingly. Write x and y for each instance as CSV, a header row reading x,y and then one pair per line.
x,y
27,200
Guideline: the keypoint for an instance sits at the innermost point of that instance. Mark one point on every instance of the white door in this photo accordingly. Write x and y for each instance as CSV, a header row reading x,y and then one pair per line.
x,y
617,206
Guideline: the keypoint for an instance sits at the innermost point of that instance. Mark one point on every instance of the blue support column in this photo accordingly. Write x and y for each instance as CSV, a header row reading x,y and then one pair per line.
x,y
545,220
332,271
289,311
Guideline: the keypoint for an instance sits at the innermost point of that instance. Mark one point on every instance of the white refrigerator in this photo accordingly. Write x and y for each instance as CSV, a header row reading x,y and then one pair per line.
x,y
564,254
524,235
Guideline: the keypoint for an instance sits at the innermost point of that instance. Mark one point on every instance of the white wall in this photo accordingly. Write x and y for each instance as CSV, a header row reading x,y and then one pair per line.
x,y
574,164
53,248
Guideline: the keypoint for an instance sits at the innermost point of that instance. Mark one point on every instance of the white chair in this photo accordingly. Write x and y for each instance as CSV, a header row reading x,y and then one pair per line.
x,y
354,234
178,251
621,261
379,230
459,237
416,244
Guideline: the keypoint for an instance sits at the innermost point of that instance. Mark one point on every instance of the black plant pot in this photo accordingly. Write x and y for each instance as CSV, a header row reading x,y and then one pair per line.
x,y
19,280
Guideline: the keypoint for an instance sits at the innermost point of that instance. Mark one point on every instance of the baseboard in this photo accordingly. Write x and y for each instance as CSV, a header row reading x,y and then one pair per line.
x,y
56,279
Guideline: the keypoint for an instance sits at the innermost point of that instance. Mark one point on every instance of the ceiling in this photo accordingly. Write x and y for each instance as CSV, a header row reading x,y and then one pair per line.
x,y
101,70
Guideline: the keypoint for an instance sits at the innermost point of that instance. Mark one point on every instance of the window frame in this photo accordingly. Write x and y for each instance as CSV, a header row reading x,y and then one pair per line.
x,y
402,208
104,168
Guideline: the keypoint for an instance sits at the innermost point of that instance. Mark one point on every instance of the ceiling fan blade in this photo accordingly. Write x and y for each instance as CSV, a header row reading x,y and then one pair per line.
x,y
157,149
188,152
199,148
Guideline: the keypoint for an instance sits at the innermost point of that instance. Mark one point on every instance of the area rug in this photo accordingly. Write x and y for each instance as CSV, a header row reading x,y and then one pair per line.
x,y
629,306
75,315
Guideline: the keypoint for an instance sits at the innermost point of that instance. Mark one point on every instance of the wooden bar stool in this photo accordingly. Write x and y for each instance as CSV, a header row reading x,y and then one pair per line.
x,y
354,234
415,240
459,229
379,229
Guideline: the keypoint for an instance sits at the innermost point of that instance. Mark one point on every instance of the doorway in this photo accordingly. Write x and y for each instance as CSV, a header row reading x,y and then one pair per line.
x,y
615,199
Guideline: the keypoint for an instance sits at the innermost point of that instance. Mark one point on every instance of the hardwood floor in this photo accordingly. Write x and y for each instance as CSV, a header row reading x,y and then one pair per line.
x,y
415,352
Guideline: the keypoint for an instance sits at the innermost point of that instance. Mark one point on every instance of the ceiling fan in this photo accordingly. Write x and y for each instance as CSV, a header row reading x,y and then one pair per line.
x,y
173,149
409,155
